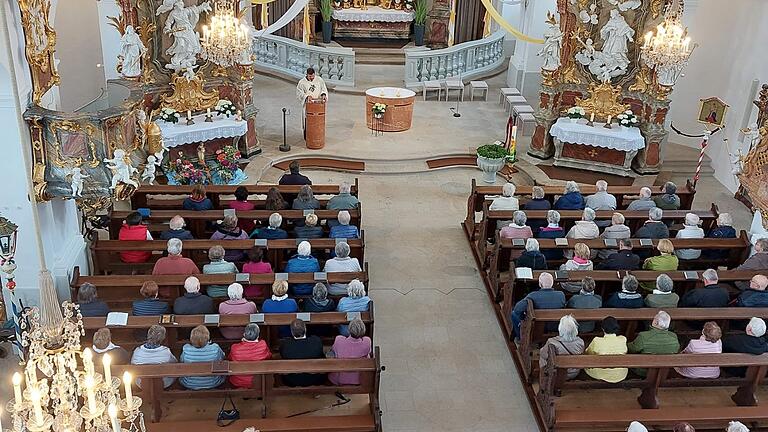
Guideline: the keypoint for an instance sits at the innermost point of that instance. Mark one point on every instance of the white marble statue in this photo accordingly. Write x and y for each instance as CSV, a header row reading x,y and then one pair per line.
x,y
77,182
625,5
616,34
121,169
132,49
149,169
589,16
180,25
553,40
598,63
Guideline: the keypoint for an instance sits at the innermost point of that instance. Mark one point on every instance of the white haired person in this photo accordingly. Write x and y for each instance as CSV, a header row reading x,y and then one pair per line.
x,y
193,302
538,201
344,229
341,263
302,262
752,341
567,342
553,230
507,200
250,348
617,230
571,198
344,200
657,340
355,301
532,257
517,229
758,261
585,229
174,263
644,202
654,227
601,199
691,230
546,297
176,230
229,229
712,294
236,305
273,231
724,229
737,426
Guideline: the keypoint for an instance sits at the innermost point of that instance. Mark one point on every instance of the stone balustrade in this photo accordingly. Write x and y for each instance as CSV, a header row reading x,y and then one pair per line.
x,y
290,59
468,60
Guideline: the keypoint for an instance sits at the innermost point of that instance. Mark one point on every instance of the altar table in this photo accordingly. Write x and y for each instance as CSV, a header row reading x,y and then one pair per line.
x,y
373,22
221,127
399,112
595,148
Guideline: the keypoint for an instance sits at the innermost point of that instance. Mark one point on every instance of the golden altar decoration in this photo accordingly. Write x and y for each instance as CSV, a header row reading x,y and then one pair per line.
x,y
40,46
604,101
189,95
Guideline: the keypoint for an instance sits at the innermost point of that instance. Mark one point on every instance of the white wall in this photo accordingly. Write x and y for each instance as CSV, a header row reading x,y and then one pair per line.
x,y
731,54
110,37
524,72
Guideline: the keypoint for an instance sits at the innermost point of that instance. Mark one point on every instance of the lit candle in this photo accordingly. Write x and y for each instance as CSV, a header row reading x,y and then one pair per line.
x,y
189,114
208,112
17,388
128,393
592,118
106,360
609,119
88,361
113,416
89,384
34,394
514,133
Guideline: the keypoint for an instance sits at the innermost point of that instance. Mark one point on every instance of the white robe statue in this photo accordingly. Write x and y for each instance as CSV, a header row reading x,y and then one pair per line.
x,y
121,170
77,182
131,52
180,24
616,34
553,39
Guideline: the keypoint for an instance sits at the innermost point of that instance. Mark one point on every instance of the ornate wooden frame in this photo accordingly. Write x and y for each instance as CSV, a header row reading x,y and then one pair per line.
x,y
35,20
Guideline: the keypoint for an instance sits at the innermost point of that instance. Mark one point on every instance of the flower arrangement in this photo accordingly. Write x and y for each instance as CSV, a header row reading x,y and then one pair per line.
x,y
169,115
226,162
379,109
185,172
576,112
494,151
628,119
409,4
225,107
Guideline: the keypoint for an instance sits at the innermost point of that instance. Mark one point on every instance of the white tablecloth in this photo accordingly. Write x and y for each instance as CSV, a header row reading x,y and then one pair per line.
x,y
221,127
390,92
373,14
616,138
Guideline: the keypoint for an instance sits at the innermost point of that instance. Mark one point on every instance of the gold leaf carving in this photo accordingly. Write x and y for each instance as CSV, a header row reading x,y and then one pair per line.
x,y
40,45
604,101
188,95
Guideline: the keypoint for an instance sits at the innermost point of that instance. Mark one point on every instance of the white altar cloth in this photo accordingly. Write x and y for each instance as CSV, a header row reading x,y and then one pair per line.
x,y
616,138
373,14
202,131
390,92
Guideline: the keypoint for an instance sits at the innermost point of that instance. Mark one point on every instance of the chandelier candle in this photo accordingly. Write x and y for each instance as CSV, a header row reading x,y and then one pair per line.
x,y
89,384
34,394
113,417
128,393
17,389
106,360
88,361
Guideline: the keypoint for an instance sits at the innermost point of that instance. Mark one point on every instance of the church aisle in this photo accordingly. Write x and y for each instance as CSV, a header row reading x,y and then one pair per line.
x,y
448,368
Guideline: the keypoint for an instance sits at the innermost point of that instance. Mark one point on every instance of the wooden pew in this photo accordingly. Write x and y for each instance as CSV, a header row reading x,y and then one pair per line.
x,y
176,203
533,332
650,409
480,194
175,339
106,253
119,291
502,257
267,383
198,221
214,192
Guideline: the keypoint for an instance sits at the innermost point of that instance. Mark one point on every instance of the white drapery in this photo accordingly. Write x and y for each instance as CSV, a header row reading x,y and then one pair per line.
x,y
296,8
616,138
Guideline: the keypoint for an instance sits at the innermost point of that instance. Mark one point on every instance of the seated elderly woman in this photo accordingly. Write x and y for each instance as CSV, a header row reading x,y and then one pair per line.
x,y
273,231
355,301
586,299
102,344
356,345
309,230
584,229
176,230
724,229
218,265
580,262
344,229
644,202
236,305
279,302
88,300
341,263
708,343
611,343
517,229
228,229
197,200
665,261
250,348
551,231
567,342
507,200
571,198
302,262
319,302
662,296
691,230
537,202
669,199
344,200
153,352
617,230
601,199
654,227
628,297
200,349
149,305
532,257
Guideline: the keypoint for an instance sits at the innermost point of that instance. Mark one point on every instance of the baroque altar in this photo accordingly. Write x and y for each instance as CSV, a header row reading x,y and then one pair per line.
x,y
372,22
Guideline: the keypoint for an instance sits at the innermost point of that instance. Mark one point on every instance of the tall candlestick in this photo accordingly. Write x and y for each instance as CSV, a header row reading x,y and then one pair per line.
x,y
514,133
17,389
34,394
112,410
128,392
106,360
609,119
88,361
89,384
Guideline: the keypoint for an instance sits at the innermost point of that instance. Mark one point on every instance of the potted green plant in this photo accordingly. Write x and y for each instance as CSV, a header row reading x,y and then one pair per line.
x,y
490,159
326,9
419,21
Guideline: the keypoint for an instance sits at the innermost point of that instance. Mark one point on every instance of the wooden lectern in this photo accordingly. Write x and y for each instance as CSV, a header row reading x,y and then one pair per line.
x,y
315,134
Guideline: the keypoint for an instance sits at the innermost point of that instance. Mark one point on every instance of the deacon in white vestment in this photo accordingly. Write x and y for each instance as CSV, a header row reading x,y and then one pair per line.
x,y
311,88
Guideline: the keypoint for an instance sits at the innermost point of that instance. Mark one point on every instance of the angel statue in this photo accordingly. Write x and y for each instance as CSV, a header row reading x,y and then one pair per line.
x,y
180,24
616,34
121,170
132,49
149,169
553,39
77,182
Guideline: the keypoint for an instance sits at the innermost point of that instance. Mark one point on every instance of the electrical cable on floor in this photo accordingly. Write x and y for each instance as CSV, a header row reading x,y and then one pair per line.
x,y
343,401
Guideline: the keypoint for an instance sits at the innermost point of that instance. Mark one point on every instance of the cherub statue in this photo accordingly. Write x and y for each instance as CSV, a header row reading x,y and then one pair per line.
x,y
149,169
77,182
201,153
121,169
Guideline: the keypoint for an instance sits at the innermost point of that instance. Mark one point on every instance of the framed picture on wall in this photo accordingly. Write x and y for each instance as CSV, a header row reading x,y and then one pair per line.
x,y
712,111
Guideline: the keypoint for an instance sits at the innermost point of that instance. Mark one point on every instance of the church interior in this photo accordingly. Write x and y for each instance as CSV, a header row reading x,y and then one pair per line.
x,y
563,226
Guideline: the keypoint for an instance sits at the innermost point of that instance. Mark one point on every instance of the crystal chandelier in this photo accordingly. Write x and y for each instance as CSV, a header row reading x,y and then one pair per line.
x,y
225,39
669,48
58,395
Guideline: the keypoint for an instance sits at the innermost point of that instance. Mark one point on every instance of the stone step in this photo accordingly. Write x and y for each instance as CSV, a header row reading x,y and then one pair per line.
x,y
380,56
